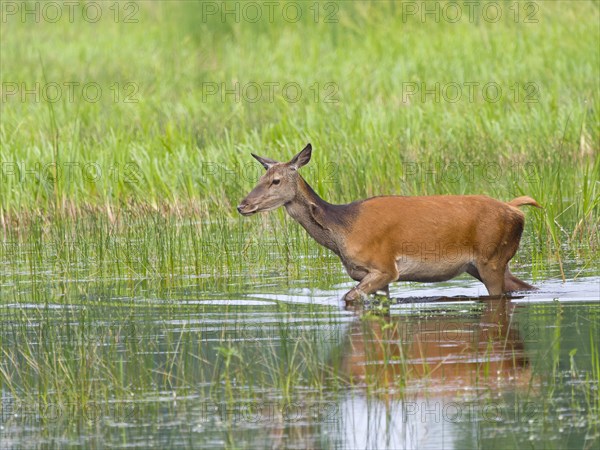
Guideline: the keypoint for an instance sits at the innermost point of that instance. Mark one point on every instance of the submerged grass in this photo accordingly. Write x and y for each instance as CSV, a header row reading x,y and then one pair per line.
x,y
102,365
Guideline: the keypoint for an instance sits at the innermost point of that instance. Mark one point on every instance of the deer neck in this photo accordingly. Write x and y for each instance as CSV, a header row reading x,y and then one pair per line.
x,y
322,220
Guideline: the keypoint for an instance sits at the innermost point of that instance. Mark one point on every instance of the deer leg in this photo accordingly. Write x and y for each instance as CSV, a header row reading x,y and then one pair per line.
x,y
384,291
512,283
371,283
492,275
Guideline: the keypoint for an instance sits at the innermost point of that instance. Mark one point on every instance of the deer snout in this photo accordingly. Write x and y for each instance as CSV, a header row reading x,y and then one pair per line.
x,y
244,209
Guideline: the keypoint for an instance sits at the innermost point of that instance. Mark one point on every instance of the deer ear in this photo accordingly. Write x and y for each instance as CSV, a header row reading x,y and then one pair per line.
x,y
302,158
266,162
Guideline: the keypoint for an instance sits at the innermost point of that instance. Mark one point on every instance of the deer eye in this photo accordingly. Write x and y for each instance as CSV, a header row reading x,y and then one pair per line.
x,y
276,181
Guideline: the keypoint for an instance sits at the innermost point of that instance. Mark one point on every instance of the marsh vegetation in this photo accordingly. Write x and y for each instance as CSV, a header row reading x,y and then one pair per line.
x,y
137,308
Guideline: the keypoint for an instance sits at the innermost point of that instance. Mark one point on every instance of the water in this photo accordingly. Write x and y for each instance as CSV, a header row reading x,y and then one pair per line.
x,y
290,367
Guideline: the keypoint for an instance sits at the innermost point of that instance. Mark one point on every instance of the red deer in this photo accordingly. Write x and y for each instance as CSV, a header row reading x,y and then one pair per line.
x,y
398,238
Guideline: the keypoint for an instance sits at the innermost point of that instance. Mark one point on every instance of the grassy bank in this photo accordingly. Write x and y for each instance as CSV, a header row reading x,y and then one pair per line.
x,y
164,110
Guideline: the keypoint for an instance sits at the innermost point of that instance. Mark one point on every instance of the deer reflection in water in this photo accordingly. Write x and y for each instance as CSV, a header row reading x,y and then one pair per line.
x,y
444,354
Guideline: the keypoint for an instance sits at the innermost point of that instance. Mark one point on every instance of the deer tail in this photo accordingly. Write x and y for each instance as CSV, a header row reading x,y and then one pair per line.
x,y
522,201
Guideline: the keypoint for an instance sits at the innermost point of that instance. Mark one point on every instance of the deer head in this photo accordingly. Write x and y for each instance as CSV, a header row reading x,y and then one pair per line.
x,y
278,186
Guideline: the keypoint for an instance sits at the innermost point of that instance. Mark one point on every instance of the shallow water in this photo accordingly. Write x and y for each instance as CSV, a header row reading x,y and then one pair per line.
x,y
290,367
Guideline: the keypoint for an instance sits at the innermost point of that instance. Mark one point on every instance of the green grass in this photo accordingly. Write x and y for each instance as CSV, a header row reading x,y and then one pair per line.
x,y
181,150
